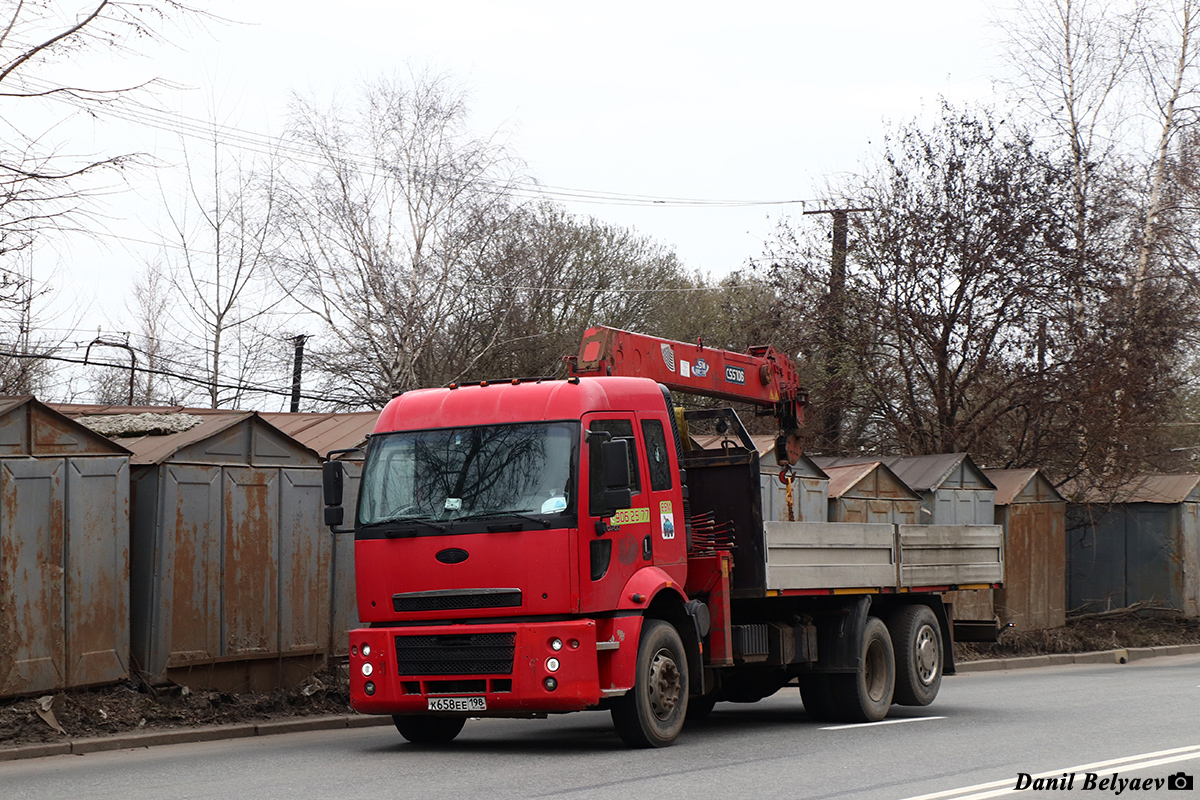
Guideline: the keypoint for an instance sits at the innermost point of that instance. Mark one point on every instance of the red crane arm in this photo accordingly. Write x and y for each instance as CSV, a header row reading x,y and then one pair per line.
x,y
762,376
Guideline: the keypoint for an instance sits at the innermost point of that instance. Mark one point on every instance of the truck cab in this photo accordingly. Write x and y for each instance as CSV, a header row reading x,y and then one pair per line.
x,y
510,538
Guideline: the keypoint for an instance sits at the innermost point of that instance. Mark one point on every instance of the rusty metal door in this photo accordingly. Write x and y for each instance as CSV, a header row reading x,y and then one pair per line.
x,y
250,585
32,624
304,555
97,570
185,617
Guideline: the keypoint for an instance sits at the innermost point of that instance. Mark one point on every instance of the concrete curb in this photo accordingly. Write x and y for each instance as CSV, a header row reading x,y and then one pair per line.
x,y
1122,656
208,733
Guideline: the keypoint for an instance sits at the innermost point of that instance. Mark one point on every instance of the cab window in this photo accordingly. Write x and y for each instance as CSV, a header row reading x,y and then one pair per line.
x,y
657,460
619,429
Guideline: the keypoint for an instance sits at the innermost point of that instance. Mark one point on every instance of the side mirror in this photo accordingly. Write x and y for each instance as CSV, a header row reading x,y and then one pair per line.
x,y
614,456
332,478
614,460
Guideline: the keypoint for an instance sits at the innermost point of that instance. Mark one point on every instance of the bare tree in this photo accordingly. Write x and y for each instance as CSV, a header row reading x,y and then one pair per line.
x,y
217,252
1170,58
148,376
387,230
44,184
24,346
1073,60
557,274
963,294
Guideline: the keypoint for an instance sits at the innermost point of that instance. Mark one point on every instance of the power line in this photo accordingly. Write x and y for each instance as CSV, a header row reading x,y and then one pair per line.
x,y
190,379
263,144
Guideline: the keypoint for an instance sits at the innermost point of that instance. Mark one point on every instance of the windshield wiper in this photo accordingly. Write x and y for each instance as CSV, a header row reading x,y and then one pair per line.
x,y
498,513
423,519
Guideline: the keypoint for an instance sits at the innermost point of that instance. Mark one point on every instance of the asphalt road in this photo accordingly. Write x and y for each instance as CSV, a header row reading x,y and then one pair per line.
x,y
1140,720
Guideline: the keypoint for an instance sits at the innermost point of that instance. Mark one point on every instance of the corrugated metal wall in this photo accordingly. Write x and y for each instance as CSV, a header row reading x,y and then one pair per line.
x,y
232,563
810,498
1131,553
1035,562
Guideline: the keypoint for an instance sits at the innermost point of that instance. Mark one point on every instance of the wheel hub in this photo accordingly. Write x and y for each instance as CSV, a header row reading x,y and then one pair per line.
x,y
928,658
664,684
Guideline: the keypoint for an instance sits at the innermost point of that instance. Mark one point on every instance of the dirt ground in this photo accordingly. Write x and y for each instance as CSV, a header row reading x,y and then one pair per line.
x,y
1087,635
130,706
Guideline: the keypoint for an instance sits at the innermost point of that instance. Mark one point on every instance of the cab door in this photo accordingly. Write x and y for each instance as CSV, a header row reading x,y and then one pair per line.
x,y
612,549
668,533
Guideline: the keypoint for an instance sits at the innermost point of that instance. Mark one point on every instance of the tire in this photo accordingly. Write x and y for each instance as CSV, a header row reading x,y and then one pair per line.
x,y
866,695
817,694
917,640
423,729
652,713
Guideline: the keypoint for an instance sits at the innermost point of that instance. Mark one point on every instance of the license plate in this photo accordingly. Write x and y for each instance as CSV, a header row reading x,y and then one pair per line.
x,y
458,704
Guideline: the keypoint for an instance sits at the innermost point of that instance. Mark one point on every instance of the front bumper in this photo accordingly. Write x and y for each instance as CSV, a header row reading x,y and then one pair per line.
x,y
398,670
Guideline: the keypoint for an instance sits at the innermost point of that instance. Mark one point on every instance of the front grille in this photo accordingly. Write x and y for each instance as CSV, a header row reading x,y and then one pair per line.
x,y
456,654
454,601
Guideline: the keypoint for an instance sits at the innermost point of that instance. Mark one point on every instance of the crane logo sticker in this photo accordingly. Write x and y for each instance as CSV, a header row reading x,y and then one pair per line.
x,y
701,368
631,516
668,354
735,375
668,519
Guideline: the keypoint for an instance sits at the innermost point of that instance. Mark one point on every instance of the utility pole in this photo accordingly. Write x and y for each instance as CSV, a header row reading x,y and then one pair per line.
x,y
835,331
297,370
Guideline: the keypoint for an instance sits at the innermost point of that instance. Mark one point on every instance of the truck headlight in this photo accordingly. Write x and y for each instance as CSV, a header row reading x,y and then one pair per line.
x,y
552,664
367,669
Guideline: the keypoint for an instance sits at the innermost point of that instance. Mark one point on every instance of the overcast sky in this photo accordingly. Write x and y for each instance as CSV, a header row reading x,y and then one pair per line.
x,y
692,100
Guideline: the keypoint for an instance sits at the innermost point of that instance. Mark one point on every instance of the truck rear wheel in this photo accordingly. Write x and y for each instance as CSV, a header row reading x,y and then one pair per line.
x,y
917,640
866,695
652,713
421,729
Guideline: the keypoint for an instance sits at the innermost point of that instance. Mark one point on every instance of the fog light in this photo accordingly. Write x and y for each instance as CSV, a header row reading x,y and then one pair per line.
x,y
367,669
552,664
574,644
556,644
550,684
354,650
369,688
366,650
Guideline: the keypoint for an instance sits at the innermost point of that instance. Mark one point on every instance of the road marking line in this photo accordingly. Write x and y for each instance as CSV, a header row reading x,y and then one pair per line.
x,y
881,722
982,791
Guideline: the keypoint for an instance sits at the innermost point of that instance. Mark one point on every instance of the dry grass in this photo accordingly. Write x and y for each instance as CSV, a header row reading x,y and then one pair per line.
x,y
1086,635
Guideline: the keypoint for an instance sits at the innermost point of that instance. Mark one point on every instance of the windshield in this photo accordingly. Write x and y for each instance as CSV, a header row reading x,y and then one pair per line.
x,y
522,470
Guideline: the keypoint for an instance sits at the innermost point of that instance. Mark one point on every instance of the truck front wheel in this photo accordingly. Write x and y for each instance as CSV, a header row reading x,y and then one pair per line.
x,y
917,640
652,713
429,729
866,695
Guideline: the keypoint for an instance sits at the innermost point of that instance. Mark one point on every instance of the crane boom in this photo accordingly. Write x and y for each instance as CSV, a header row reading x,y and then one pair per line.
x,y
762,376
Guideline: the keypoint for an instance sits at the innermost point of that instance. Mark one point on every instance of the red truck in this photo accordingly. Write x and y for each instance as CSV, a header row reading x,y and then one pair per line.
x,y
527,547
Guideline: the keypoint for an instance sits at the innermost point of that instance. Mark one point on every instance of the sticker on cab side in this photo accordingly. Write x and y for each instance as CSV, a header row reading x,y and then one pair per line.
x,y
668,519
631,516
